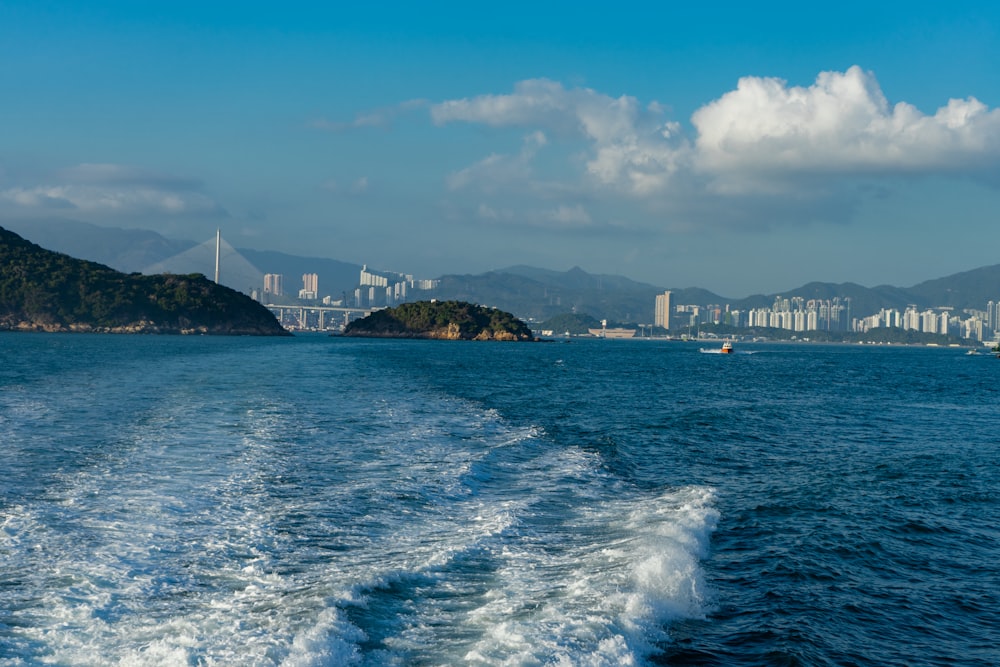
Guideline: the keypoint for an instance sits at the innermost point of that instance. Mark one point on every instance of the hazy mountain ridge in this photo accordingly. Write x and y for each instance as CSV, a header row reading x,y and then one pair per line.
x,y
127,250
43,290
530,292
136,250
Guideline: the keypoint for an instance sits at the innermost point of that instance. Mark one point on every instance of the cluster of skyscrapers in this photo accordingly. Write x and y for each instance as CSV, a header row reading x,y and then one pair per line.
x,y
375,289
273,286
803,315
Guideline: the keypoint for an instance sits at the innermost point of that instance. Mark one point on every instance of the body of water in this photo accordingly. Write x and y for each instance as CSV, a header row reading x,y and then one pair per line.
x,y
326,501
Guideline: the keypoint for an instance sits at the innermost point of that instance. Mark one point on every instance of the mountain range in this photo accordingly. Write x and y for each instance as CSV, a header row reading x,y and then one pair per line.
x,y
529,292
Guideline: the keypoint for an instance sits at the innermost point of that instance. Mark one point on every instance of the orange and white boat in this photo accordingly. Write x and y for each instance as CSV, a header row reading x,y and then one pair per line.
x,y
727,348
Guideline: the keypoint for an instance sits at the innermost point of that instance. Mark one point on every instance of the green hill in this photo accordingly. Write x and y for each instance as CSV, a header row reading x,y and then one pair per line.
x,y
448,320
41,290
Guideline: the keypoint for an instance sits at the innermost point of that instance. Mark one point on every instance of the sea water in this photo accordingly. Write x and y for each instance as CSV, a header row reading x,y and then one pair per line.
x,y
328,501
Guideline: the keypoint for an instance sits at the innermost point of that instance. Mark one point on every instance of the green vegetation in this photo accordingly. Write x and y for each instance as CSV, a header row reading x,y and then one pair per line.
x,y
575,324
42,290
451,320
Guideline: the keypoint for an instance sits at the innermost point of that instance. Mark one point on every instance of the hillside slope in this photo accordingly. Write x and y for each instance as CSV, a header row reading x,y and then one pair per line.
x,y
445,320
41,290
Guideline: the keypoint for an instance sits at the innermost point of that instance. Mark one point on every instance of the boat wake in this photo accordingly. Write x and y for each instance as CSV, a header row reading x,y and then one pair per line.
x,y
418,532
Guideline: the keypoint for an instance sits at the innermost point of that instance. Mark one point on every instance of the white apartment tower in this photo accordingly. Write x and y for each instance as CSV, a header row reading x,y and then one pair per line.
x,y
272,284
662,316
310,286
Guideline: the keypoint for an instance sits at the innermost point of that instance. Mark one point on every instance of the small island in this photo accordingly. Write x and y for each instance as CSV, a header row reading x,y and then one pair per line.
x,y
41,290
444,320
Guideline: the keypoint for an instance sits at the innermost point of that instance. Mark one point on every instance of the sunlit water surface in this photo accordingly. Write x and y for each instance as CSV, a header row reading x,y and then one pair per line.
x,y
325,501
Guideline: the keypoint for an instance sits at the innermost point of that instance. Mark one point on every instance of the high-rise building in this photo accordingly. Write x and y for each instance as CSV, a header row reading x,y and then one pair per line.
x,y
662,315
272,284
310,282
310,286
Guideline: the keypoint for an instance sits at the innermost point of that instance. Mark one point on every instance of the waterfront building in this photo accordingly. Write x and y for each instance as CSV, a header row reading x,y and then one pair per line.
x,y
662,314
799,315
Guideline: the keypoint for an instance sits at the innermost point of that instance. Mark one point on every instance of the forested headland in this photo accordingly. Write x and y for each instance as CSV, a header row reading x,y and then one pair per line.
x,y
447,320
41,290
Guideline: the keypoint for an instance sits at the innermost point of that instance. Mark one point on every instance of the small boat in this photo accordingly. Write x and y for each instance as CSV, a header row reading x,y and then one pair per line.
x,y
727,348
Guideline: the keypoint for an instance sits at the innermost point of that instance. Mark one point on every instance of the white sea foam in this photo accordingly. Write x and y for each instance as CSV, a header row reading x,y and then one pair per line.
x,y
600,593
245,530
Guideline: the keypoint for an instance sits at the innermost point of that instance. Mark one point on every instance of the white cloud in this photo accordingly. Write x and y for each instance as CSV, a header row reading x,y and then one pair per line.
x,y
107,199
570,216
104,174
760,137
496,172
631,148
534,102
841,124
112,189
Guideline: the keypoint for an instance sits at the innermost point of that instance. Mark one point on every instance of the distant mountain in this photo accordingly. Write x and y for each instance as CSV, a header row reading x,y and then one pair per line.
x,y
577,279
550,293
140,250
42,290
969,289
127,250
529,292
540,294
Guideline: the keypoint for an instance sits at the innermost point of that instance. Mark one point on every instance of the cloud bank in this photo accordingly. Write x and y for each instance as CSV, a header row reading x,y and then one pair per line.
x,y
111,189
764,140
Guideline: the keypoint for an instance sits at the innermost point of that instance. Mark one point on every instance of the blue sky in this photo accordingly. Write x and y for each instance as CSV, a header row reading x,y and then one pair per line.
x,y
741,147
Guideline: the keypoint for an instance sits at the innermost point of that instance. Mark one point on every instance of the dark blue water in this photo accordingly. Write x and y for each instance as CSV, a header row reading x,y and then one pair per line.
x,y
323,501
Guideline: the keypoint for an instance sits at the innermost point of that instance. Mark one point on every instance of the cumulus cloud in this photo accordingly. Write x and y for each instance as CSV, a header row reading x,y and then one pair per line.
x,y
632,147
761,136
840,124
112,188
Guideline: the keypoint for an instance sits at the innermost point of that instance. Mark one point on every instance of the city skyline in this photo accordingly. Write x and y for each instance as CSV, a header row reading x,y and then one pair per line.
x,y
739,149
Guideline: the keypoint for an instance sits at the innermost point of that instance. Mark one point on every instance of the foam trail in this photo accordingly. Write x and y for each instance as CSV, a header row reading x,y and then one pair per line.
x,y
601,597
241,529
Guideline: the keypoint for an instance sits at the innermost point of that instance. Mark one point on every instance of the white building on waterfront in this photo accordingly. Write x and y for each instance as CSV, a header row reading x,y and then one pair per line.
x,y
661,317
